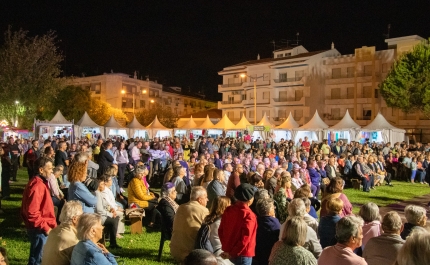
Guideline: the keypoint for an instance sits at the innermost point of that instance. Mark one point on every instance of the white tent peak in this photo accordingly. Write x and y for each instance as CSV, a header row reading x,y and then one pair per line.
x,y
225,124
86,121
265,121
207,124
59,118
190,124
241,125
345,124
315,124
156,124
112,123
135,124
380,123
289,123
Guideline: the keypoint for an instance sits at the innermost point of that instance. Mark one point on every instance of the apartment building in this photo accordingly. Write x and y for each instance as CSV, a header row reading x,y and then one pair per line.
x,y
298,81
132,95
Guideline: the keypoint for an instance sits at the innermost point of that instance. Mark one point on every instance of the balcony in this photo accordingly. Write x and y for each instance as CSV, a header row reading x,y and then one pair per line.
x,y
259,101
288,101
291,79
230,104
230,87
348,78
348,101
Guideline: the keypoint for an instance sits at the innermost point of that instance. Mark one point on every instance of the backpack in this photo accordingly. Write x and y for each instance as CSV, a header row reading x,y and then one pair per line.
x,y
202,239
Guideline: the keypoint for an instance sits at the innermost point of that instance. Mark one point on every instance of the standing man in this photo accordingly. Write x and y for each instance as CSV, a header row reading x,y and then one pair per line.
x,y
203,147
31,157
37,210
228,168
61,158
306,145
135,152
14,157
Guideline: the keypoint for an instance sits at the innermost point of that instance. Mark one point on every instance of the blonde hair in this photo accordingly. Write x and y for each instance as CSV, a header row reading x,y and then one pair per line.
x,y
295,231
415,214
415,250
334,205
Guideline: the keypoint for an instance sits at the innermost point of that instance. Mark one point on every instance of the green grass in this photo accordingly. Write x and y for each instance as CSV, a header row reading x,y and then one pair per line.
x,y
143,249
137,249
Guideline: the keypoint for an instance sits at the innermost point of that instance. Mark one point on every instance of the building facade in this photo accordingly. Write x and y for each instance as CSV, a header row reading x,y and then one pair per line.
x,y
132,95
301,82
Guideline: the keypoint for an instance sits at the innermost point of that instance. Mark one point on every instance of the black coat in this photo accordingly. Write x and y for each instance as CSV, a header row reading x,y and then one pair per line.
x,y
104,160
167,216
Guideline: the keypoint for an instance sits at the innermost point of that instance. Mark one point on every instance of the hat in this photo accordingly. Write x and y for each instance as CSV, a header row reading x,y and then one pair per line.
x,y
168,185
296,166
244,192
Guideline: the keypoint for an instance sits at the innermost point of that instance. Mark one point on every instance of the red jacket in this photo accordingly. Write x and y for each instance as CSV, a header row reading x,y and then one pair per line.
x,y
37,209
238,230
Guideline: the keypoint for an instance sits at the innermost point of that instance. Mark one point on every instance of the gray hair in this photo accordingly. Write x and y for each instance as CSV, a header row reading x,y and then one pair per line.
x,y
347,227
412,252
261,194
370,212
86,222
70,209
166,193
264,206
197,192
392,222
140,170
307,202
278,172
297,208
81,157
295,231
414,214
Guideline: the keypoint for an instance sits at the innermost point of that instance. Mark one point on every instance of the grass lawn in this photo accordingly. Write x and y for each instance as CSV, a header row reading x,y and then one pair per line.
x,y
143,249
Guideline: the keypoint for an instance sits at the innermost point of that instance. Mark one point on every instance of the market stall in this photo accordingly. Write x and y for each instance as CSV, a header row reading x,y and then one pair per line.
x,y
87,127
113,128
314,129
58,126
156,129
380,130
136,129
285,130
346,129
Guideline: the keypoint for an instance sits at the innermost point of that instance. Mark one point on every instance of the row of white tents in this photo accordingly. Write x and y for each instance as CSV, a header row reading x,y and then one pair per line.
x,y
316,129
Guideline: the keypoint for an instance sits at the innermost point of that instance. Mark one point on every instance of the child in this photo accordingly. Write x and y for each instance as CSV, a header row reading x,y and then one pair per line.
x,y
413,169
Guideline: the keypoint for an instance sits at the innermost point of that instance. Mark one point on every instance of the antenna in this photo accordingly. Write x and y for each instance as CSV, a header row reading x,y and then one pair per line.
x,y
274,44
297,39
387,36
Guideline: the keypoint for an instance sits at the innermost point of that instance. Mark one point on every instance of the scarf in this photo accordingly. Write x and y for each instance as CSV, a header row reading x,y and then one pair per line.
x,y
172,203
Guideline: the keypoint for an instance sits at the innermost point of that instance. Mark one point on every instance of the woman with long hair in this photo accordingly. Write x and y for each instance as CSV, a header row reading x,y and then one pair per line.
x,y
214,220
335,190
121,157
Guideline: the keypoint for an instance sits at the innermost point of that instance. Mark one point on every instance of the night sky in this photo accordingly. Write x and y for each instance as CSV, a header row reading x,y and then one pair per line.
x,y
185,43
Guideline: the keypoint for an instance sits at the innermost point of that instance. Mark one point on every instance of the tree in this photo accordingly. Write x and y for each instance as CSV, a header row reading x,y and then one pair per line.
x,y
407,85
29,71
164,115
100,112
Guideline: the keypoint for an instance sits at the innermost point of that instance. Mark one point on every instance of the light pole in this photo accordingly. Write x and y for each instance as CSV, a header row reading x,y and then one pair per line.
x,y
16,113
255,94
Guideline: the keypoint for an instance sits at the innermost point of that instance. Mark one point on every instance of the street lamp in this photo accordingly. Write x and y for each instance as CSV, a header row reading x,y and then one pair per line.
x,y
152,101
255,94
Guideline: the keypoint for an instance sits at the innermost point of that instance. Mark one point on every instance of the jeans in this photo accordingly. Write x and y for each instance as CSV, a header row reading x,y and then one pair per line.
x,y
413,174
365,183
242,261
37,241
121,172
315,190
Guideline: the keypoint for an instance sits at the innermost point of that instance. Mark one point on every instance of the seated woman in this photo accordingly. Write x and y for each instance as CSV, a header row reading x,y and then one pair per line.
x,y
327,225
139,194
415,216
77,174
335,190
167,208
109,218
108,197
290,250
116,190
283,197
88,250
412,252
372,222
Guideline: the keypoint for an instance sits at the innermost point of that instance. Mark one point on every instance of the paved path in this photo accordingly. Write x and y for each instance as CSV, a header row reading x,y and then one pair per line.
x,y
400,206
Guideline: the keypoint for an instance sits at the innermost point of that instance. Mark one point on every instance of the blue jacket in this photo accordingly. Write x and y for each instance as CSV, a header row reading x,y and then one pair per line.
x,y
267,235
214,189
315,176
87,253
78,191
327,230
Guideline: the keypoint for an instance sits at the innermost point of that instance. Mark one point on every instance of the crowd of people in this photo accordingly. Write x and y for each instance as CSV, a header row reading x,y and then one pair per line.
x,y
224,200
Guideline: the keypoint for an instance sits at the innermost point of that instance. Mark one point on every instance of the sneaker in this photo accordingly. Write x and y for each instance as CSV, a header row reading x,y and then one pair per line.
x,y
119,236
421,182
122,190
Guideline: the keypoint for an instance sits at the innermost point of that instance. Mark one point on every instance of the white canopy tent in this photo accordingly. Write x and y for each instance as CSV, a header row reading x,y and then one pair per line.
x,y
189,127
266,123
87,126
53,127
346,127
209,127
313,129
385,132
136,129
112,127
226,125
156,129
285,130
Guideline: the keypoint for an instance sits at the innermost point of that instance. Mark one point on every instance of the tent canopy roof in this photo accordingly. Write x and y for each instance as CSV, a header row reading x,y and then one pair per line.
x,y
86,121
289,123
156,125
265,121
207,124
315,124
112,123
241,125
345,124
135,124
380,123
59,119
190,124
225,124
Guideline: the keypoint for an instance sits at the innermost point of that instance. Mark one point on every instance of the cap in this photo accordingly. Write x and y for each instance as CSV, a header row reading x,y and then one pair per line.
x,y
244,192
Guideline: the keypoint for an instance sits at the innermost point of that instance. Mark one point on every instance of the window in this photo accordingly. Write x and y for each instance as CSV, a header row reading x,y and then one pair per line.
x,y
230,115
243,96
251,95
350,92
279,55
299,75
367,114
298,95
127,103
283,77
266,77
251,114
367,92
368,70
298,114
335,72
335,114
350,71
142,103
283,95
335,93
266,95
287,54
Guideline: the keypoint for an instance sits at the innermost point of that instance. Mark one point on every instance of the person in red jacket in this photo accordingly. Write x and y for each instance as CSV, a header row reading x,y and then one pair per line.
x,y
238,237
37,209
